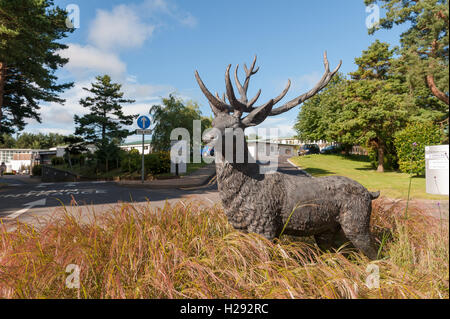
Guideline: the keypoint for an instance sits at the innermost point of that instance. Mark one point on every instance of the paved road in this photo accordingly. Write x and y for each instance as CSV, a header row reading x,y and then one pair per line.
x,y
25,198
28,200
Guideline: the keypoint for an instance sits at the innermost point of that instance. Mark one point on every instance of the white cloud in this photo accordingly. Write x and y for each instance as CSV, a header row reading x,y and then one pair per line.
x,y
54,130
146,92
171,10
282,125
305,82
120,28
87,59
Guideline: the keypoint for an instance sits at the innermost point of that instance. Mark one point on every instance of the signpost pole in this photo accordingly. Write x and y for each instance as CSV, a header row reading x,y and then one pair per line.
x,y
143,136
144,123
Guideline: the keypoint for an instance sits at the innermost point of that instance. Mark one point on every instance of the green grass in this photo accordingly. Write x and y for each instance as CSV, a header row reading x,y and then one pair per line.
x,y
184,251
391,184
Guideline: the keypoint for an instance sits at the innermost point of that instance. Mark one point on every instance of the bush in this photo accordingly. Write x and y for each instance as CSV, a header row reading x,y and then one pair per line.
x,y
57,161
410,145
37,170
131,161
157,163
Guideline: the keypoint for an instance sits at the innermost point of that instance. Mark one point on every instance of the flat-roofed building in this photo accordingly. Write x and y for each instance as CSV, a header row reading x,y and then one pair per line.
x,y
16,159
138,146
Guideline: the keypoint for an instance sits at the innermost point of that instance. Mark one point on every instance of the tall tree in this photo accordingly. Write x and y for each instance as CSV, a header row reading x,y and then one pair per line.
x,y
29,58
425,43
103,125
365,110
172,114
317,113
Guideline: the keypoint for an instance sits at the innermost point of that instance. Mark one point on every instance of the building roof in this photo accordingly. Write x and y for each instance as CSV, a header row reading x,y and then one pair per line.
x,y
268,142
136,143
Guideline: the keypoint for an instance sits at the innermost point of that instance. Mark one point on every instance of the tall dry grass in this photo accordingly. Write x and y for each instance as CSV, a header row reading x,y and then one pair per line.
x,y
188,252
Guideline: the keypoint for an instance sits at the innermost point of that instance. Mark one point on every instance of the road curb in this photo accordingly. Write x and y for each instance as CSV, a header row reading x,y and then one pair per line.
x,y
299,168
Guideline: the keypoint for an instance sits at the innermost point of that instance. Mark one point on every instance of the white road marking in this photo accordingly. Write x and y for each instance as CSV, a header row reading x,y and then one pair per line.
x,y
40,202
44,185
70,185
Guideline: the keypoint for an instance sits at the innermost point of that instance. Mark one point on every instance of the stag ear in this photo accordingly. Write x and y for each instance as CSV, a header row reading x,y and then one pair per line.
x,y
258,115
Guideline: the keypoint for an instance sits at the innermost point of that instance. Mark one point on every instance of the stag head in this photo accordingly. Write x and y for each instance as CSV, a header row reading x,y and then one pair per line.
x,y
230,114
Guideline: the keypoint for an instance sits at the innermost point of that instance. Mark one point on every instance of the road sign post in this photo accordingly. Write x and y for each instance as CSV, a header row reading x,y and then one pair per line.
x,y
144,123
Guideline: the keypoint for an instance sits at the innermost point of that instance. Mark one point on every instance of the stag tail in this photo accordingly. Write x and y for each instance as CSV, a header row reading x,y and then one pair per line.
x,y
375,195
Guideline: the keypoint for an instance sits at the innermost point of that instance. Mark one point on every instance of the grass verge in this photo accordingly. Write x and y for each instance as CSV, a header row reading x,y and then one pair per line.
x,y
391,184
135,251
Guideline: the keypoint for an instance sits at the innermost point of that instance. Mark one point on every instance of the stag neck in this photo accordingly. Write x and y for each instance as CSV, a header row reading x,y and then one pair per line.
x,y
248,167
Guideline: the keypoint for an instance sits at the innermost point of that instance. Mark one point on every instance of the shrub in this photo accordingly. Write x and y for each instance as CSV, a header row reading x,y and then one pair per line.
x,y
410,145
37,170
57,161
157,163
130,161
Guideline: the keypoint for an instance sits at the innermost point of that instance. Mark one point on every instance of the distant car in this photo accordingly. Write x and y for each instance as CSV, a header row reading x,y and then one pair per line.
x,y
330,149
309,149
208,151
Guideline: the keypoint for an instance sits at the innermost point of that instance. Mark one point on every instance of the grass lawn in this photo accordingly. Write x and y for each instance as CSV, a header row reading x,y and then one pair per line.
x,y
391,184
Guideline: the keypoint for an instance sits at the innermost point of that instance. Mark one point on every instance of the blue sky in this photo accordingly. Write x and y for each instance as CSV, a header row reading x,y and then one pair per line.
x,y
153,47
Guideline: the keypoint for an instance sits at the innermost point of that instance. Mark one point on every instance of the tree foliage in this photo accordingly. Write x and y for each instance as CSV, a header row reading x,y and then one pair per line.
x,y
410,144
103,125
174,113
424,45
33,141
364,110
29,58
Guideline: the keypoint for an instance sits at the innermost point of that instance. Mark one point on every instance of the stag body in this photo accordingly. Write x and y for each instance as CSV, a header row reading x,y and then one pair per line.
x,y
334,209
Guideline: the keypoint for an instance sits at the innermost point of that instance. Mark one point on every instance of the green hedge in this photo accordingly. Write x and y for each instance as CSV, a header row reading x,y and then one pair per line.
x,y
410,145
155,163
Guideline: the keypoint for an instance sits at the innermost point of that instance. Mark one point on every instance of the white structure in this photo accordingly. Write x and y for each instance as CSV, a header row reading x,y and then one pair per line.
x,y
137,146
436,169
260,149
179,156
15,159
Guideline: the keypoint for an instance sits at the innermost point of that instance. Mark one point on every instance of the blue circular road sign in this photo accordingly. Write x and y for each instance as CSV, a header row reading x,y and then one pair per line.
x,y
143,122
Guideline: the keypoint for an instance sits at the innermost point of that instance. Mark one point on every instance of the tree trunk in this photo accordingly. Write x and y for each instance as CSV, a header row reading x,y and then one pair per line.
x,y
2,88
436,92
380,168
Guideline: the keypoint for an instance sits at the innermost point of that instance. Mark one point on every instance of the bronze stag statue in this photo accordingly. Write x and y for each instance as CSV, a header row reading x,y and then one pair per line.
x,y
333,209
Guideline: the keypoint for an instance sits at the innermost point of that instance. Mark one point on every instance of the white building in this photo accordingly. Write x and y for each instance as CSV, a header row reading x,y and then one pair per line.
x,y
17,159
138,146
260,149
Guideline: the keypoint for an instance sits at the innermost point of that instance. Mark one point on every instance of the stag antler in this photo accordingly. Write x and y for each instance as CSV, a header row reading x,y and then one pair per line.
x,y
258,114
326,78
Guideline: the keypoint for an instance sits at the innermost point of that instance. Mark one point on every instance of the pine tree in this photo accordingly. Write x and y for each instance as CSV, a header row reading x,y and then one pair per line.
x,y
29,34
102,126
425,44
